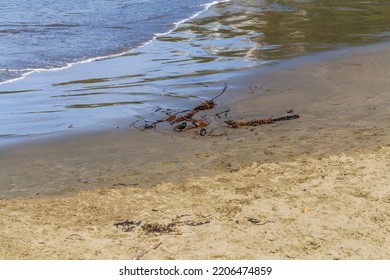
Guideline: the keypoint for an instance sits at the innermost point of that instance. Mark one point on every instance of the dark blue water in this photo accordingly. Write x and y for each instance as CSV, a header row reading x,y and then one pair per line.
x,y
44,34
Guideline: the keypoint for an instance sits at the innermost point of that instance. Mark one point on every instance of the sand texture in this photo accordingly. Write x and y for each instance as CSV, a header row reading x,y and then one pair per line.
x,y
317,187
335,207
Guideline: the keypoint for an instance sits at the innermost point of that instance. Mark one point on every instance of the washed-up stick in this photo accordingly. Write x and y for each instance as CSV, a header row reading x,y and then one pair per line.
x,y
237,124
143,253
286,118
185,120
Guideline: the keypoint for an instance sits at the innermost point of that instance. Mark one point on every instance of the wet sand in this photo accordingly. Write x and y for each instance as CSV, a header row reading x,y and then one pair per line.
x,y
312,188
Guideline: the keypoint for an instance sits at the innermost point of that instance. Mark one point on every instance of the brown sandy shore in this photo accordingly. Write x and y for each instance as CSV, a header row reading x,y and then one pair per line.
x,y
313,188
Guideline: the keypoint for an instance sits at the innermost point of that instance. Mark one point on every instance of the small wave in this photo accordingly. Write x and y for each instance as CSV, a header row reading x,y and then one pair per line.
x,y
26,72
177,24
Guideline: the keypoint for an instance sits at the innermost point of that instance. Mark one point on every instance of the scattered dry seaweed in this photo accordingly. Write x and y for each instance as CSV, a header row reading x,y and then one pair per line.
x,y
156,228
127,226
198,221
170,228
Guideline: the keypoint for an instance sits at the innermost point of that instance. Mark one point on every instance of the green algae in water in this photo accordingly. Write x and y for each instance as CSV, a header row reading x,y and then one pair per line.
x,y
278,29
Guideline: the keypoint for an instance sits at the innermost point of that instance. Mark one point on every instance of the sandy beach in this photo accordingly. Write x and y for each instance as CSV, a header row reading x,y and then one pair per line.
x,y
316,187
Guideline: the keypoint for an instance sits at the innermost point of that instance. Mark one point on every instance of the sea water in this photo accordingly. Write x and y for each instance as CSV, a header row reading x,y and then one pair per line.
x,y
49,34
79,65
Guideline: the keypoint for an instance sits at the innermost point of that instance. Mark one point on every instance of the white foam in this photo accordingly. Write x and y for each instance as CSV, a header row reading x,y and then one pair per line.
x,y
68,65
177,24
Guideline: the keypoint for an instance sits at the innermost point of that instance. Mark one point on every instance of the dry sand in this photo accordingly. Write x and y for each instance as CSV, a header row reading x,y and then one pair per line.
x,y
313,188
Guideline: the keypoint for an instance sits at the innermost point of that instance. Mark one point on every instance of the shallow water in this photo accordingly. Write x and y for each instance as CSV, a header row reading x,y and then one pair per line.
x,y
179,69
44,34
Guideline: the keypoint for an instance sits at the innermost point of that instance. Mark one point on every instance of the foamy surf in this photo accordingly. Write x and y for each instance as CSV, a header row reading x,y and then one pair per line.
x,y
28,71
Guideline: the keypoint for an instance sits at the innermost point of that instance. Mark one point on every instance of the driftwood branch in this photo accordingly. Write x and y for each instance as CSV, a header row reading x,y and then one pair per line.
x,y
185,120
188,116
257,122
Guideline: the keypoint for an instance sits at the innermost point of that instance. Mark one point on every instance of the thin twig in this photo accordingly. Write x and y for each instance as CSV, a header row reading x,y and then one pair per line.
x,y
143,253
224,89
218,115
133,124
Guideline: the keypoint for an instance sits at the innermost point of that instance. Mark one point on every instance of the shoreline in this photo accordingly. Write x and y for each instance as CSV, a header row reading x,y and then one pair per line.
x,y
238,85
183,67
116,54
311,188
263,93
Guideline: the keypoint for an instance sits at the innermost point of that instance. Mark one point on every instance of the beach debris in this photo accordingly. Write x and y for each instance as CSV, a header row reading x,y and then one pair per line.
x,y
195,220
286,118
200,123
75,236
127,226
185,120
237,124
158,210
180,127
258,222
198,221
222,92
189,116
158,109
172,227
150,248
133,123
251,89
84,181
150,126
156,228
254,221
211,133
386,199
196,124
125,184
174,118
219,115
160,228
207,105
